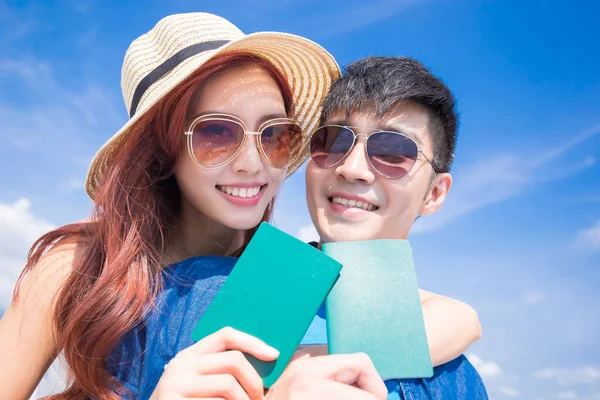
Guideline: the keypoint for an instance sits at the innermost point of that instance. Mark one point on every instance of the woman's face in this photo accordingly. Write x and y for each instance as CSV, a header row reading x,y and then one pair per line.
x,y
237,193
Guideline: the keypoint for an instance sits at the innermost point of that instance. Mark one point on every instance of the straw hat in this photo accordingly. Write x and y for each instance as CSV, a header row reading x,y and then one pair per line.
x,y
158,61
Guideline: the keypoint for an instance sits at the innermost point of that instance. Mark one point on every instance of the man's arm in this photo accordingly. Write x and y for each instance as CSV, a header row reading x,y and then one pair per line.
x,y
451,326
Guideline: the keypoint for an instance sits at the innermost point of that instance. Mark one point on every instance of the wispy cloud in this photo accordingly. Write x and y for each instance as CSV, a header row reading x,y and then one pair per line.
x,y
89,37
58,124
504,176
54,381
487,369
568,395
585,375
535,296
19,228
35,73
15,24
508,391
499,384
590,237
82,6
357,16
573,395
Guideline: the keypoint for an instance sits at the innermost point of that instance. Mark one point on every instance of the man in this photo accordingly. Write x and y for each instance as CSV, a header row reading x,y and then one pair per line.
x,y
380,160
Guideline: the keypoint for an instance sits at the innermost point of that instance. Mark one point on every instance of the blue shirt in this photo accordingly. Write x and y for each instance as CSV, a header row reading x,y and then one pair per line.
x,y
190,286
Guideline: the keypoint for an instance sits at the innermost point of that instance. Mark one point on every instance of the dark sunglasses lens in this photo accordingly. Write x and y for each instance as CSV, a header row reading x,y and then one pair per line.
x,y
392,154
281,143
215,141
330,144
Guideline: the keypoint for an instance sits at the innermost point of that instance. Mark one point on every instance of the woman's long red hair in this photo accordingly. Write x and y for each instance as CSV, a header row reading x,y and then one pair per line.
x,y
136,206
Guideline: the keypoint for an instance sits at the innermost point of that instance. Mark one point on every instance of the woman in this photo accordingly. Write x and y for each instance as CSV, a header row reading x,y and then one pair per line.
x,y
217,121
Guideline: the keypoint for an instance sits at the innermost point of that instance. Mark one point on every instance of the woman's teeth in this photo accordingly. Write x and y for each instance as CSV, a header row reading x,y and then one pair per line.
x,y
354,203
239,192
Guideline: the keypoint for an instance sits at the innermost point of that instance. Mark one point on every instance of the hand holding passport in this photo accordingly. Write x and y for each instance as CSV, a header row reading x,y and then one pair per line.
x,y
373,305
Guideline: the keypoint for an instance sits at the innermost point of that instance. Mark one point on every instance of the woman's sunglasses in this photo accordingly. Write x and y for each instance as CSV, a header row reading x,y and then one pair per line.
x,y
216,139
391,154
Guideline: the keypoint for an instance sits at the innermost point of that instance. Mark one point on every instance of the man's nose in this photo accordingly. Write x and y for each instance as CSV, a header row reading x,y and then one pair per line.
x,y
356,167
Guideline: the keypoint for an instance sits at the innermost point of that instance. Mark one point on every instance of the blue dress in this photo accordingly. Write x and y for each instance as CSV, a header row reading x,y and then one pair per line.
x,y
190,286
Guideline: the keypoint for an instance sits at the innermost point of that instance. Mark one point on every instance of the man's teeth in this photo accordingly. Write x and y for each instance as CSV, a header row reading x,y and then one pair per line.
x,y
353,203
239,192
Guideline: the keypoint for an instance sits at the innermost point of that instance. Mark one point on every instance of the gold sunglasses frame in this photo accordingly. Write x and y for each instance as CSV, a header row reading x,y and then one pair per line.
x,y
256,134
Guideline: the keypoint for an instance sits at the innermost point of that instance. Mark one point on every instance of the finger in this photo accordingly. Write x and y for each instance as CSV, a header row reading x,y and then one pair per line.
x,y
351,369
311,350
222,386
231,339
233,363
299,355
332,390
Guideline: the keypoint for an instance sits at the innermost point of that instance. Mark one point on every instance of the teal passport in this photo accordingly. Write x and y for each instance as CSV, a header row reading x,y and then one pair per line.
x,y
375,308
273,292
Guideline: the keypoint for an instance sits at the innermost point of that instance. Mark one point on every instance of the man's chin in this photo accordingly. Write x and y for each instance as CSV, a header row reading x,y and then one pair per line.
x,y
346,234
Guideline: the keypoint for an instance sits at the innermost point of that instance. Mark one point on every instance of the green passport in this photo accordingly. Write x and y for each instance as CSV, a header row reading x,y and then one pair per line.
x,y
273,292
375,308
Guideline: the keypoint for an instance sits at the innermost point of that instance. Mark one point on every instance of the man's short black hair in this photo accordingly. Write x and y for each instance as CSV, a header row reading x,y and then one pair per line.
x,y
382,83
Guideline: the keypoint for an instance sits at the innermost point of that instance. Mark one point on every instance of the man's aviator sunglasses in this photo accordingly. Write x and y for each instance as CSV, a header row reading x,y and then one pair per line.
x,y
391,154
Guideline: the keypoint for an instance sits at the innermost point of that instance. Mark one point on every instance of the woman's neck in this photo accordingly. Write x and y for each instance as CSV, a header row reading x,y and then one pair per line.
x,y
198,235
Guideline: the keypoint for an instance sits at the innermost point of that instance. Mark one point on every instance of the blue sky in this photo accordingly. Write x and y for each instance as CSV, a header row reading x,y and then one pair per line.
x,y
519,238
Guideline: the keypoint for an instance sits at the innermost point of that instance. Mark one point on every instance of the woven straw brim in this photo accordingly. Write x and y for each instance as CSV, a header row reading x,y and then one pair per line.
x,y
309,69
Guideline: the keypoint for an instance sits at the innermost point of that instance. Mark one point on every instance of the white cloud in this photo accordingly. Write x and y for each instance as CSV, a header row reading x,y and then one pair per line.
x,y
58,128
508,391
54,381
534,297
73,184
307,233
590,237
585,375
33,72
16,24
19,228
502,177
570,395
487,369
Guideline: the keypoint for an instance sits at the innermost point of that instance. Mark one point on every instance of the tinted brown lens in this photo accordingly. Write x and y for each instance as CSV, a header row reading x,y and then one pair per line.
x,y
214,141
281,143
392,154
329,144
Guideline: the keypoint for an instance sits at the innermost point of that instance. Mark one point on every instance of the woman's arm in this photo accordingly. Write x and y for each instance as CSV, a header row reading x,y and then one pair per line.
x,y
451,326
27,343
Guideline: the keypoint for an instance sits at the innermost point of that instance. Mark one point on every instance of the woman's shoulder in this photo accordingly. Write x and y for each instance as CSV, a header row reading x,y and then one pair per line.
x,y
26,328
46,276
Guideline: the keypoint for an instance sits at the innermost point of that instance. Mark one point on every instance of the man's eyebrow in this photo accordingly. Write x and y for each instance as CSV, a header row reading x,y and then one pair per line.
x,y
398,127
341,122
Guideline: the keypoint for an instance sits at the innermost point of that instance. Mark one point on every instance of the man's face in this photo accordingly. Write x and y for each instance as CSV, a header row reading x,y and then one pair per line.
x,y
393,204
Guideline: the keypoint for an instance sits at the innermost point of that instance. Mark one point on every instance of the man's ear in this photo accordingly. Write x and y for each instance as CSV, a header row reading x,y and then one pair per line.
x,y
437,193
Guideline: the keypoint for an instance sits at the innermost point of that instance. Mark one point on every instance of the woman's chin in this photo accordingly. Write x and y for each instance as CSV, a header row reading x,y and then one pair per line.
x,y
243,223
